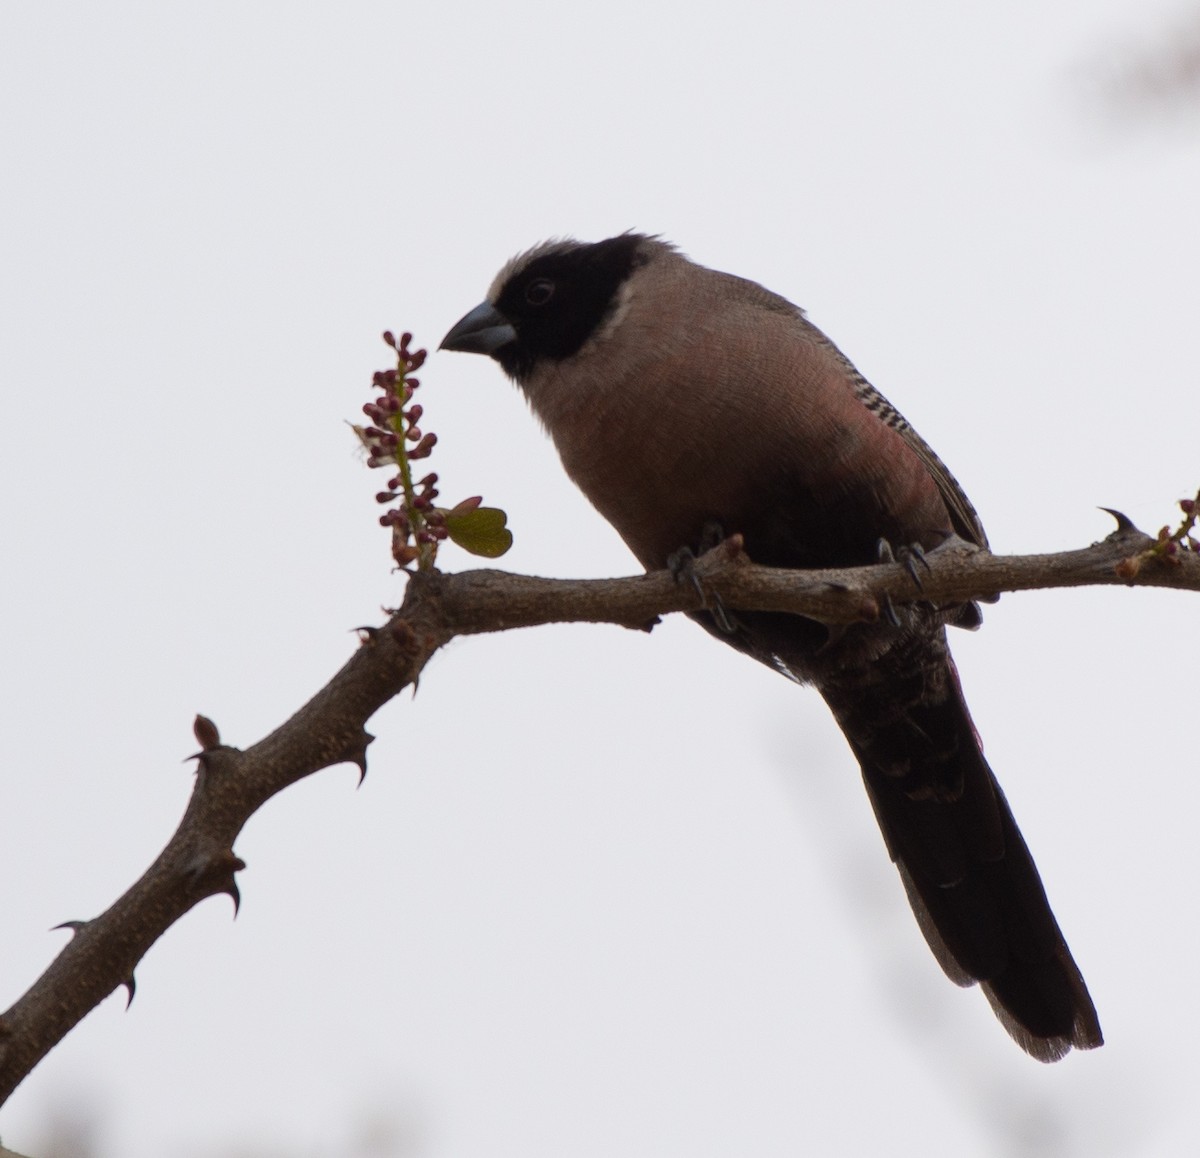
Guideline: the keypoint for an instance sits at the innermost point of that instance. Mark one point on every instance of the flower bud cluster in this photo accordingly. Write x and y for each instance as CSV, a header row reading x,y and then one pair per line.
x,y
1172,542
395,438
415,525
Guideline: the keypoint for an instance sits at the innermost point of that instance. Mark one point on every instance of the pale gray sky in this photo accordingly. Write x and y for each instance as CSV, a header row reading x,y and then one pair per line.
x,y
601,893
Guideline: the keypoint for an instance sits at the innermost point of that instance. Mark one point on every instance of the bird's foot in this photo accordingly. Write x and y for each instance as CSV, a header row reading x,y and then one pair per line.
x,y
682,565
912,556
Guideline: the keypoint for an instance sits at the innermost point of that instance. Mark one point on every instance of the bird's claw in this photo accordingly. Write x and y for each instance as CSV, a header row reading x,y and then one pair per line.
x,y
912,556
682,565
717,609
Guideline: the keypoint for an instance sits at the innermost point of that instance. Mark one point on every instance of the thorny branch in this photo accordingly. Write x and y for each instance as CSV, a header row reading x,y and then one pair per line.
x,y
231,784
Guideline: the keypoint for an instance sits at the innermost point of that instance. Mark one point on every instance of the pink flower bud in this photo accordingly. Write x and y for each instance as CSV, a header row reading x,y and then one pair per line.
x,y
428,442
467,505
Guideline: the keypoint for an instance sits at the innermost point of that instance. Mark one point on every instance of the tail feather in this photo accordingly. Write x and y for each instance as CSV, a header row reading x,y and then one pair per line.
x,y
968,873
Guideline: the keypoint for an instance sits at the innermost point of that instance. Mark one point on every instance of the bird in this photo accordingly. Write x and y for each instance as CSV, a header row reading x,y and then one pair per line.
x,y
690,405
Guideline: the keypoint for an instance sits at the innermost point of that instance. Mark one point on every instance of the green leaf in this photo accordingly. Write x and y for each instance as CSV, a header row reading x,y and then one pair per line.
x,y
482,531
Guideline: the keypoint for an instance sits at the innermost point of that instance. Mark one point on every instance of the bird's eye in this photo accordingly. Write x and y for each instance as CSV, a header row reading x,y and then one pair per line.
x,y
539,292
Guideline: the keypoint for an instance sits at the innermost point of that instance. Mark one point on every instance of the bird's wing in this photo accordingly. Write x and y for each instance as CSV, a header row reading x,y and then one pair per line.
x,y
963,515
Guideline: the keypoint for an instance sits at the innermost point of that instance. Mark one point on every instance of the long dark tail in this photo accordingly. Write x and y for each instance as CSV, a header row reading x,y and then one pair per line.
x,y
970,879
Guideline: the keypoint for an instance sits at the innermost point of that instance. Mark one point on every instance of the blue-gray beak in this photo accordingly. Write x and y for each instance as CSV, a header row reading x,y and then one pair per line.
x,y
483,331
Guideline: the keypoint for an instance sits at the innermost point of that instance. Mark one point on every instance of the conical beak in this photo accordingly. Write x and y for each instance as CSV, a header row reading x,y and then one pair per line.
x,y
483,331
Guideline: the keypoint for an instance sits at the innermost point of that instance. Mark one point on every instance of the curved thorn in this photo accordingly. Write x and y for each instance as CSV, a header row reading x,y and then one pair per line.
x,y
356,754
74,926
222,868
1124,522
131,985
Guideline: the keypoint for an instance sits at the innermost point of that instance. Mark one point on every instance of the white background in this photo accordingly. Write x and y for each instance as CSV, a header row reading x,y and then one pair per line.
x,y
601,893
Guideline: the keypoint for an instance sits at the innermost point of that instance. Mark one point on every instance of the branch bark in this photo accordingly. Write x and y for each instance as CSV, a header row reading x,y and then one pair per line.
x,y
198,861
